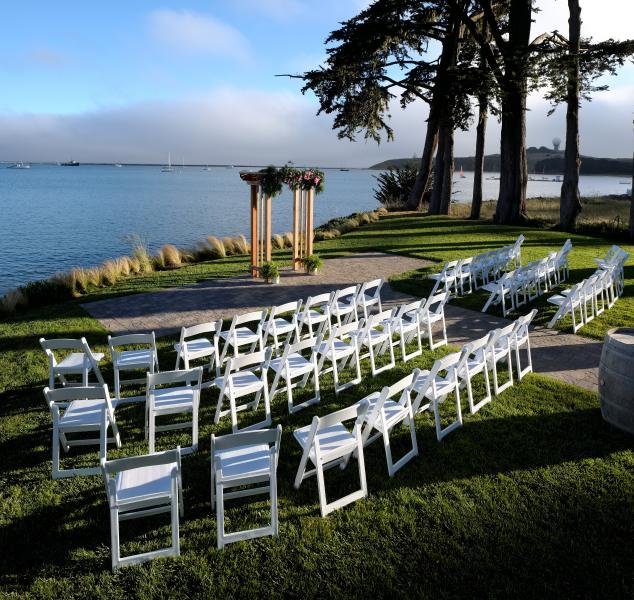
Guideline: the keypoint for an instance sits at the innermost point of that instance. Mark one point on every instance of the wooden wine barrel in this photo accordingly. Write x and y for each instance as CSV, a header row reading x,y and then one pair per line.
x,y
616,378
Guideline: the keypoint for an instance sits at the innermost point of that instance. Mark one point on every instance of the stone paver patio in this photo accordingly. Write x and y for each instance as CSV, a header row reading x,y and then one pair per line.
x,y
566,357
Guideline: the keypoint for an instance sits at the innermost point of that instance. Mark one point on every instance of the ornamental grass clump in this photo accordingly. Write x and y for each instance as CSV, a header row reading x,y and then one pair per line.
x,y
93,276
13,300
241,245
277,242
170,257
110,272
288,239
123,262
82,281
230,246
216,247
141,254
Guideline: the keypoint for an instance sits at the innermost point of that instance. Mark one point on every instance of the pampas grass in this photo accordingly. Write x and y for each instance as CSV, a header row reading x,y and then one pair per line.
x,y
93,275
13,300
110,272
241,245
123,263
288,239
216,247
144,259
170,256
82,280
277,241
230,246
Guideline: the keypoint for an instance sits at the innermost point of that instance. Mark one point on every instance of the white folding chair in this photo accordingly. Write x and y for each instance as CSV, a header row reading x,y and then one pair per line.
x,y
434,312
138,359
376,335
432,387
239,335
293,365
343,306
501,291
80,410
385,412
173,393
239,381
446,278
370,295
520,339
316,314
473,361
569,303
142,486
499,350
327,443
464,275
339,349
405,321
283,321
244,464
194,345
81,362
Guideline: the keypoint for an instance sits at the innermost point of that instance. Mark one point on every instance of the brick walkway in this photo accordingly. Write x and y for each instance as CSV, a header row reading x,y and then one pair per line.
x,y
566,357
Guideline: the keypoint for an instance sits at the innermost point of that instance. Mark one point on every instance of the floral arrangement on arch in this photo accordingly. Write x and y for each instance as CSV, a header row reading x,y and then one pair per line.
x,y
303,179
272,179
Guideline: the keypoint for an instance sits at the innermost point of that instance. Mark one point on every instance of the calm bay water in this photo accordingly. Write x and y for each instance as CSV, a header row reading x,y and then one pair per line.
x,y
55,218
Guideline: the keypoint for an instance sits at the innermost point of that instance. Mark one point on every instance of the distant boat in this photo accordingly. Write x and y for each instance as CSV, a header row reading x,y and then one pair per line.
x,y
344,169
557,178
229,166
118,165
19,165
168,167
207,168
70,163
624,182
462,173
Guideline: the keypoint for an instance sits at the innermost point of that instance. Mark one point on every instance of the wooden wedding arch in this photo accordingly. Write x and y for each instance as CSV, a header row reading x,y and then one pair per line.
x,y
261,229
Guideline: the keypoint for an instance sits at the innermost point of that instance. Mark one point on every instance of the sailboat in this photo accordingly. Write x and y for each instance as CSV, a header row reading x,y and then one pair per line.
x,y
168,167
19,165
462,173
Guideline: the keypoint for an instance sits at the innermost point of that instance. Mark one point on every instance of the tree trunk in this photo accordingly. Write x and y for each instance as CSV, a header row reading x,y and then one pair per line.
x,y
424,171
439,174
511,205
483,113
447,184
570,204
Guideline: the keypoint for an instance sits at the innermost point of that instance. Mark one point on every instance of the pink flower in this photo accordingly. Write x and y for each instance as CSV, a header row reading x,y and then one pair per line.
x,y
316,180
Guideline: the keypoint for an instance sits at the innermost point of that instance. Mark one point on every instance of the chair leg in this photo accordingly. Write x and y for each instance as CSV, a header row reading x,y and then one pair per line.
x,y
152,431
175,533
56,442
275,524
114,538
321,488
220,516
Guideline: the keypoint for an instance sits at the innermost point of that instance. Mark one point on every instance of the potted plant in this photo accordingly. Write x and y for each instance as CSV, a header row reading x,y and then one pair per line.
x,y
312,264
270,272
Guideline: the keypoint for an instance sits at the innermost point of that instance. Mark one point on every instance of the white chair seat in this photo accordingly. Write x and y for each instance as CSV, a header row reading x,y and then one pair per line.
x,y
443,387
283,326
393,411
173,399
341,349
75,361
297,365
557,299
243,335
85,413
130,358
153,481
242,382
244,461
196,348
316,316
335,440
490,287
375,337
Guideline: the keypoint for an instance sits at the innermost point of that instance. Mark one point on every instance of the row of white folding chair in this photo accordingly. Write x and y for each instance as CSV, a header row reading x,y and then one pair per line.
x,y
242,464
328,443
451,372
614,261
597,291
82,361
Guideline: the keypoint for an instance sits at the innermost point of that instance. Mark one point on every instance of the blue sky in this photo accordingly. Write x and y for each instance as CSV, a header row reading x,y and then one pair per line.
x,y
132,80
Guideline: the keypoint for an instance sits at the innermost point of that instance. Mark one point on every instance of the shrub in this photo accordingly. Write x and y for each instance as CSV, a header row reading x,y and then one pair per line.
x,y
312,263
269,270
395,184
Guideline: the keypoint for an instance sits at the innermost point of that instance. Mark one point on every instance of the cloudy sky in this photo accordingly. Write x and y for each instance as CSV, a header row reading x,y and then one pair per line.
x,y
131,81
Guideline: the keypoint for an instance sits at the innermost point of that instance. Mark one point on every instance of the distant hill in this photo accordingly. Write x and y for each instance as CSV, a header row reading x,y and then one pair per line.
x,y
540,160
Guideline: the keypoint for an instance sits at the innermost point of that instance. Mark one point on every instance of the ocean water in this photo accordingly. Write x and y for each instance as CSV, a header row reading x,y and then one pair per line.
x,y
54,218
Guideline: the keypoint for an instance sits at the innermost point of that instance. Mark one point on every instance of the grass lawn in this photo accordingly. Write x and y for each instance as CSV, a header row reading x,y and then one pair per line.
x,y
534,496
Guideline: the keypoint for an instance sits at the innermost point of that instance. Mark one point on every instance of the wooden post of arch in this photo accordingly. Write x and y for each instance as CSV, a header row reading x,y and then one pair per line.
x,y
302,225
260,222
